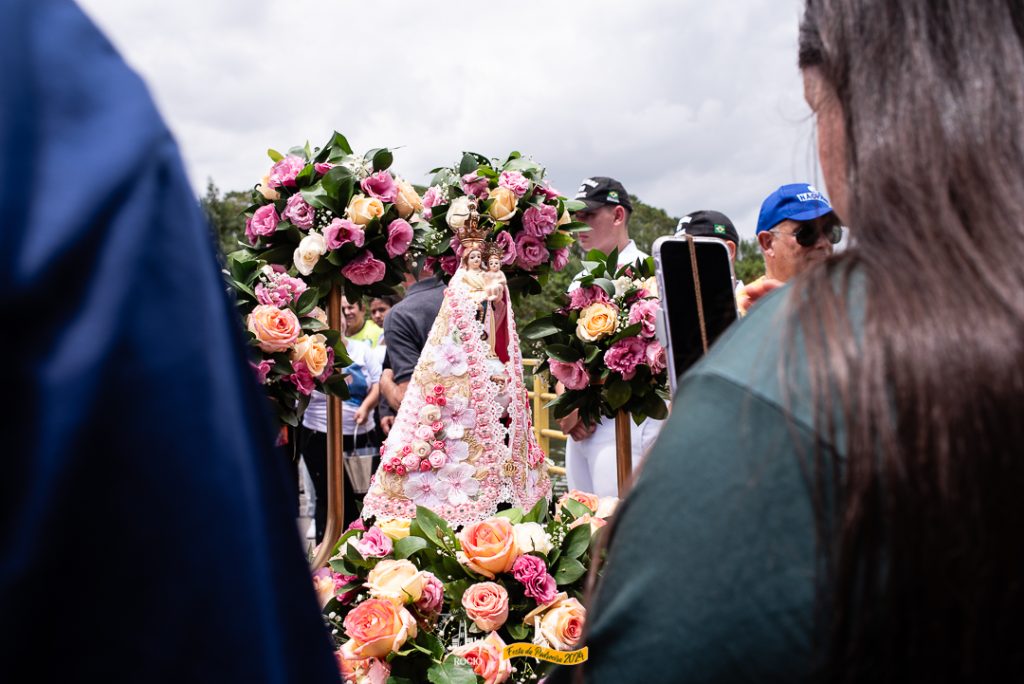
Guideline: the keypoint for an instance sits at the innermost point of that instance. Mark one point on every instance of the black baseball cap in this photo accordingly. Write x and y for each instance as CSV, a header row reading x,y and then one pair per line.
x,y
708,223
601,191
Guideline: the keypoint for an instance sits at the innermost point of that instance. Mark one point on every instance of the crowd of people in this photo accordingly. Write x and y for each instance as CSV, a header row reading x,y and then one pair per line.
x,y
834,497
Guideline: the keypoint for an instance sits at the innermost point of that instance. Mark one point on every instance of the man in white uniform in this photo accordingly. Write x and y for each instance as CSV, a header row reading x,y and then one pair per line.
x,y
590,449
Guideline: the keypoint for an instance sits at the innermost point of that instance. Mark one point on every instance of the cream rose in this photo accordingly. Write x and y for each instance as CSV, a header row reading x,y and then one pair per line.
x,y
488,546
275,329
408,201
268,192
309,251
398,580
562,626
375,628
563,219
596,321
530,536
651,285
319,314
313,350
503,204
361,210
458,213
430,414
395,528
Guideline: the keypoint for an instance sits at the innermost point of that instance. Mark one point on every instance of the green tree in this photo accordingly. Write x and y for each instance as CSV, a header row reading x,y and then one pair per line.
x,y
749,264
648,223
225,214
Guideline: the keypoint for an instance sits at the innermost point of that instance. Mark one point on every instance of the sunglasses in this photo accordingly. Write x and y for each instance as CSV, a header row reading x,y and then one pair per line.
x,y
807,233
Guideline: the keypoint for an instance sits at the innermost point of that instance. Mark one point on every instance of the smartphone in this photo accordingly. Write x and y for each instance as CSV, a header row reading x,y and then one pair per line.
x,y
679,321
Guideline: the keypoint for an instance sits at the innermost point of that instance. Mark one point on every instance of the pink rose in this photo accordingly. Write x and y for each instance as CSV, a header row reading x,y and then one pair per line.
x,y
341,232
625,355
437,459
531,250
528,567
582,297
644,312
486,604
559,258
508,247
514,181
548,191
285,171
375,628
302,378
262,223
399,237
456,245
540,221
449,264
542,588
280,290
323,167
573,375
411,462
364,270
655,354
432,598
485,657
475,185
374,544
432,197
263,369
298,212
424,432
380,185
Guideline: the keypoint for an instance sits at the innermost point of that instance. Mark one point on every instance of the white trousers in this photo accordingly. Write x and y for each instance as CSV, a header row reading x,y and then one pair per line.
x,y
590,464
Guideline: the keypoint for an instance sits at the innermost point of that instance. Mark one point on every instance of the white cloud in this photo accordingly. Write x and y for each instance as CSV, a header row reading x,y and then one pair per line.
x,y
691,104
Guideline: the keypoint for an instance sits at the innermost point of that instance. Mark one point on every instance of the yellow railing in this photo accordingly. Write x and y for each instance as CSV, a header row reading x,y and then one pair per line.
x,y
540,396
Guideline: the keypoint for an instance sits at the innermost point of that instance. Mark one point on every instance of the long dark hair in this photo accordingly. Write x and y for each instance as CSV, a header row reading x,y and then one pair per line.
x,y
921,520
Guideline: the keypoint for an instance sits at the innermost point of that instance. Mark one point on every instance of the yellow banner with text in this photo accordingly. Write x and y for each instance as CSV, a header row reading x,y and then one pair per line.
x,y
524,650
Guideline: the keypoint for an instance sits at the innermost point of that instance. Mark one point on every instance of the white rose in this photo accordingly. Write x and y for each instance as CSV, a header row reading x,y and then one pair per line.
x,y
606,506
309,251
530,536
622,284
458,212
651,285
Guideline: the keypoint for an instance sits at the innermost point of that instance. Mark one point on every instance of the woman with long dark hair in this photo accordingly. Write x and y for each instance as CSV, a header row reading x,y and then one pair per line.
x,y
839,493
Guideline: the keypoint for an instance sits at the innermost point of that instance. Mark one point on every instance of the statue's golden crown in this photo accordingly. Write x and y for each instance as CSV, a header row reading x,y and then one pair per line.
x,y
471,232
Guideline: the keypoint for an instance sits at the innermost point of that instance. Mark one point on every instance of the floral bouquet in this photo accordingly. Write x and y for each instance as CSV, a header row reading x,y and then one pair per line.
x,y
603,339
415,600
523,214
320,219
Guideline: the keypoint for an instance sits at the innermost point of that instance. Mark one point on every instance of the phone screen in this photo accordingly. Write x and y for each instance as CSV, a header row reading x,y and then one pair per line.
x,y
681,322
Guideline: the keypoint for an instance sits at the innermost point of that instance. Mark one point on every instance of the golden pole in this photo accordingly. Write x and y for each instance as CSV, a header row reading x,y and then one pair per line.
x,y
335,454
623,451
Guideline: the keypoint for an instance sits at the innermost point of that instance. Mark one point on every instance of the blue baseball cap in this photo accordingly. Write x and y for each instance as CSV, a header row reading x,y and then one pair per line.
x,y
796,201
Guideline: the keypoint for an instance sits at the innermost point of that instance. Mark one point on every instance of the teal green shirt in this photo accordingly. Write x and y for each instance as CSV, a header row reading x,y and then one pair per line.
x,y
710,577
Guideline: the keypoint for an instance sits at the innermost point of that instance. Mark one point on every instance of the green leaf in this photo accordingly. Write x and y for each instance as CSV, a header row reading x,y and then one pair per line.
x,y
539,329
563,352
307,302
468,164
576,509
431,643
559,239
655,407
514,515
306,176
617,393
518,630
576,541
339,183
539,512
381,157
274,155
432,525
454,670
606,285
628,331
406,547
339,141
569,570
453,591
575,205
592,352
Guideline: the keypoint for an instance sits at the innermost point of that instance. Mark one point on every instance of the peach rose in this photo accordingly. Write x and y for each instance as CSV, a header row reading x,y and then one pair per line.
x,y
485,657
268,192
375,628
488,546
503,204
395,528
595,522
563,219
361,209
408,201
313,350
591,501
323,585
366,671
562,626
275,329
398,580
596,321
486,604
319,314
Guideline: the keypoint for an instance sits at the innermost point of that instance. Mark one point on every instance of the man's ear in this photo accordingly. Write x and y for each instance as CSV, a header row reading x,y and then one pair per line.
x,y
764,240
731,246
619,213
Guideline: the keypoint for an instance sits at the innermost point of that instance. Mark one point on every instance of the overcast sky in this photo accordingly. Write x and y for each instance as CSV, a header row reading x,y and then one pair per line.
x,y
692,105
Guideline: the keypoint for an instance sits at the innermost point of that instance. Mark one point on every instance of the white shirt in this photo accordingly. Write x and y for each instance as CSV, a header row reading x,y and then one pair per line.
x,y
365,363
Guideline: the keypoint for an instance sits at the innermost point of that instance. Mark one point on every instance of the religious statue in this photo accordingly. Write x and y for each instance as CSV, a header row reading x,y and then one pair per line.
x,y
462,442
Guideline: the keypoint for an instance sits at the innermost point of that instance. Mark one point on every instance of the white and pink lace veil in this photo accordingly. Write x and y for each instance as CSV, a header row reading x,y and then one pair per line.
x,y
462,443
